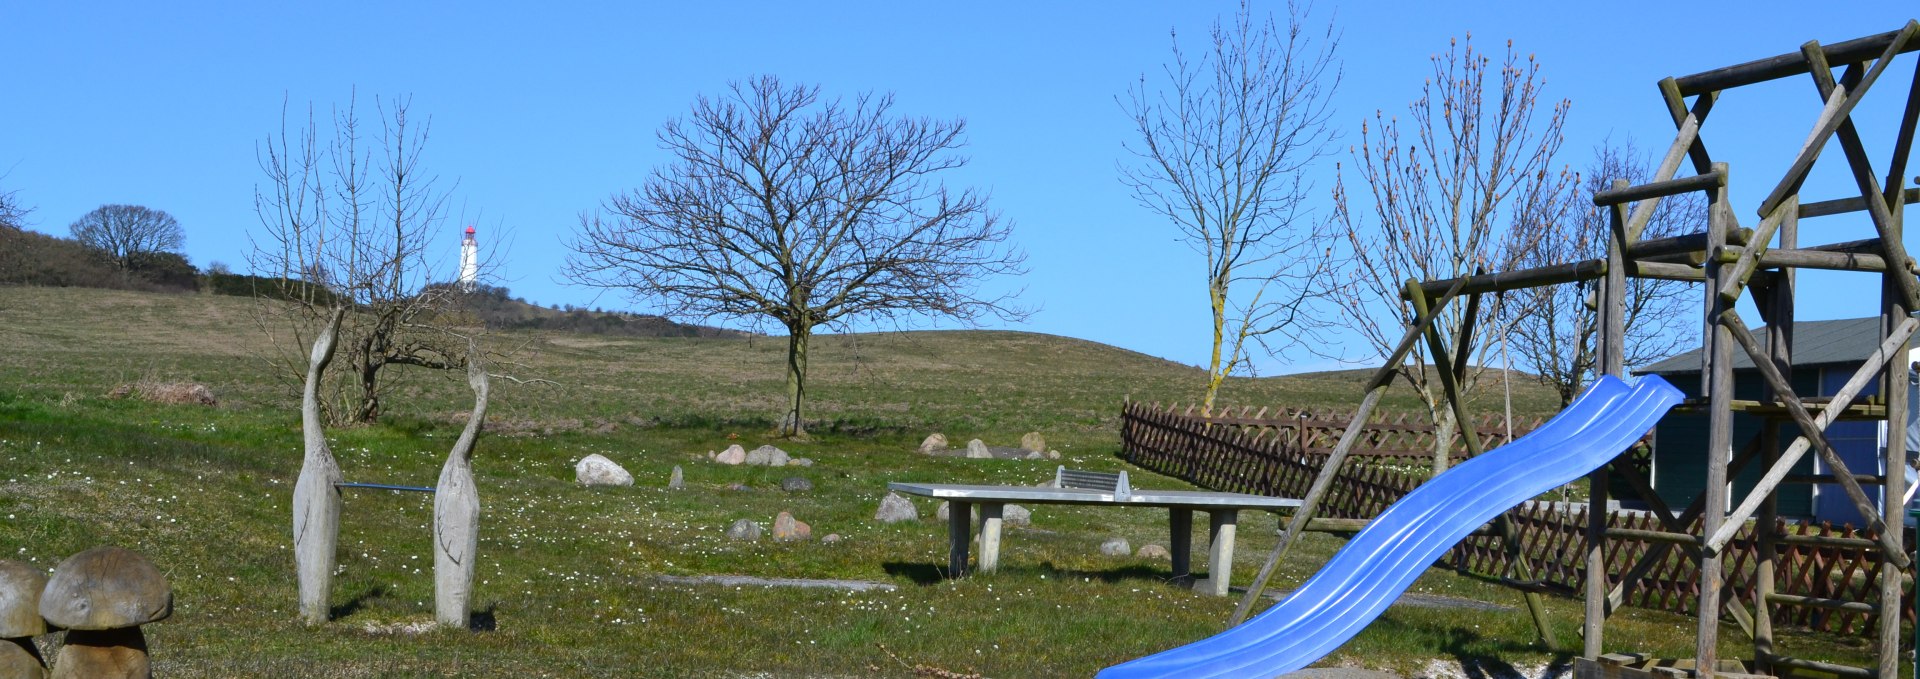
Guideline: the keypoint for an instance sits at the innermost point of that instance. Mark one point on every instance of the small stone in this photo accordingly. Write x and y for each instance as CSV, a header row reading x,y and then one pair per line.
x,y
1036,456
738,486
1033,441
802,462
1153,552
1016,515
789,529
976,450
106,588
940,513
935,442
678,480
710,455
894,509
768,456
831,538
734,454
1115,547
744,530
20,586
1053,454
597,470
795,484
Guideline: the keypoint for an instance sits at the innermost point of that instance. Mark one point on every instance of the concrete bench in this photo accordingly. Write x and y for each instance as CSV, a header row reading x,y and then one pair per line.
x,y
1097,488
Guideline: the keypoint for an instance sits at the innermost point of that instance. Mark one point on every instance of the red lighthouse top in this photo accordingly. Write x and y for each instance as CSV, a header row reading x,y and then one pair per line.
x,y
469,230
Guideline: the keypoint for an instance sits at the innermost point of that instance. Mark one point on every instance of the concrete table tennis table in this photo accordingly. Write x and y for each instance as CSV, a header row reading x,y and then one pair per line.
x,y
1223,512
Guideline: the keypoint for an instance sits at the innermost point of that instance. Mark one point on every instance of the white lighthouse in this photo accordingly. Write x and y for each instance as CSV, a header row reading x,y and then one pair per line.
x,y
469,261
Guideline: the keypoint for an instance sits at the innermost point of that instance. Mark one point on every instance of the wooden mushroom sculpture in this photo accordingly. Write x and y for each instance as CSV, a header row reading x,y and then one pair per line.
x,y
456,510
20,621
102,596
316,498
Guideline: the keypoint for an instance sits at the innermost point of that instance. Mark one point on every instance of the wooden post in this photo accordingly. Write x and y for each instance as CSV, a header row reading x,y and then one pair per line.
x,y
1778,304
316,497
959,525
1894,461
1613,300
456,510
1719,389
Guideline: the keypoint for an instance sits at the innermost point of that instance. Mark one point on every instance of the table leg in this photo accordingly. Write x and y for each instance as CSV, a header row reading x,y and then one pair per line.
x,y
990,536
1180,542
1220,550
959,525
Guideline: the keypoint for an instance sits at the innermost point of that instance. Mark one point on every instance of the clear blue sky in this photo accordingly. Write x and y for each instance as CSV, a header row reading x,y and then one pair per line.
x,y
543,112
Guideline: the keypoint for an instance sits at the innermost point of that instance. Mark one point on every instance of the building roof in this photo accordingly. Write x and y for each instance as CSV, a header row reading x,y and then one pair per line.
x,y
1848,340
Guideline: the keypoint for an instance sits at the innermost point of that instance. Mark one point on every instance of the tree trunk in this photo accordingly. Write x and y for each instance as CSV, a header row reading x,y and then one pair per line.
x,y
1443,430
316,501
456,511
1217,297
791,425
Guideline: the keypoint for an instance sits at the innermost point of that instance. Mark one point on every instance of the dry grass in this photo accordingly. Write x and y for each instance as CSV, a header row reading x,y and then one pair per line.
x,y
170,393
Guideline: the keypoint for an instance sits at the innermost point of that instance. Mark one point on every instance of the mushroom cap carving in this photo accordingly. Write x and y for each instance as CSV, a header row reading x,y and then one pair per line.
x,y
20,586
106,588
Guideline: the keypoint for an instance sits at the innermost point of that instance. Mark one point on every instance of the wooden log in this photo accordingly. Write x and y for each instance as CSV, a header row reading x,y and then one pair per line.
x,y
1778,307
1414,332
316,500
1827,541
1616,597
1829,604
1677,108
1839,671
1659,189
1684,140
1785,65
1665,272
1771,480
1843,206
1828,261
1653,536
1746,259
1514,280
1717,378
1893,381
1863,479
1687,243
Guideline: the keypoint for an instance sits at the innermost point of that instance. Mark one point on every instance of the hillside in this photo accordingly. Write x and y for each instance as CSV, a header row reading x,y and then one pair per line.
x,y
84,341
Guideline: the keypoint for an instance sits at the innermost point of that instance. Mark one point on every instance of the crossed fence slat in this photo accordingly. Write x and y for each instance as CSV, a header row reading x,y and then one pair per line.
x,y
1280,455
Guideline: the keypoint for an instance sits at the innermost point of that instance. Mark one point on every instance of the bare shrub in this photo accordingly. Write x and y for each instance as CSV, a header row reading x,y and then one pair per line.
x,y
170,393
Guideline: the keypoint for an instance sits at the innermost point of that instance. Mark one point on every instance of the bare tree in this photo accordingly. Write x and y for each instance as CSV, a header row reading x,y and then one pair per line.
x,y
1442,205
782,207
1223,151
347,224
13,215
125,233
1554,327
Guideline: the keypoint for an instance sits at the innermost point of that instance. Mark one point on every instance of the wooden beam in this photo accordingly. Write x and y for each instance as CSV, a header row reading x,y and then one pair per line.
x,y
1903,144
1785,65
1677,108
1829,261
1659,189
1415,330
1843,206
1683,141
1719,539
1747,258
1656,553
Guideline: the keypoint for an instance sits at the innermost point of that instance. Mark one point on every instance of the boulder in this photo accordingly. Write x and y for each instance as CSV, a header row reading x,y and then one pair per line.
x,y
734,454
801,462
105,588
795,484
894,509
767,456
20,659
977,450
1016,515
1033,441
1035,456
1053,454
940,512
1115,547
678,480
20,586
744,530
831,538
935,442
788,529
597,470
1153,552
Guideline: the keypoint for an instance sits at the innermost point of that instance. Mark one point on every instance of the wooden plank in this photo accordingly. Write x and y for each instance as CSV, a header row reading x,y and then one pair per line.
x,y
1659,189
1894,460
1677,108
1786,65
1747,258
1829,261
1718,377
1683,141
1843,206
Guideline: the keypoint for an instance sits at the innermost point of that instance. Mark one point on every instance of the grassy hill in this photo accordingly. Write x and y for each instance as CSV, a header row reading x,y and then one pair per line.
x,y
570,578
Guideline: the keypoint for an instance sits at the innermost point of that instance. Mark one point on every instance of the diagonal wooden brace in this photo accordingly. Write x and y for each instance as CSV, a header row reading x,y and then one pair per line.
x,y
1840,103
1813,432
1749,256
1616,597
1675,524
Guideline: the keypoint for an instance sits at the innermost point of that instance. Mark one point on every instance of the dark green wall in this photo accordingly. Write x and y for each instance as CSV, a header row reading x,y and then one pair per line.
x,y
1680,440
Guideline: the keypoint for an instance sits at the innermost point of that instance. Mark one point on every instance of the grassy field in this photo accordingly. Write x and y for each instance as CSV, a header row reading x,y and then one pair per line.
x,y
570,577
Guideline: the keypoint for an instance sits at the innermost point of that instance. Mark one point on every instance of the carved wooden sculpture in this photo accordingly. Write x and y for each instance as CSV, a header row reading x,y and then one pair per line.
x,y
456,510
316,500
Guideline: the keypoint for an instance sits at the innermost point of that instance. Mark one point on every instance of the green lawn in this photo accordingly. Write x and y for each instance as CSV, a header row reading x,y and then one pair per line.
x,y
569,576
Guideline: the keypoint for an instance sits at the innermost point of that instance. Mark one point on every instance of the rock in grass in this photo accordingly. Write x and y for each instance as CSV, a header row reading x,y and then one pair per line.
x,y
20,586
1115,547
734,454
801,462
597,470
935,442
738,486
768,456
1153,552
795,484
940,512
1053,454
678,480
789,529
1016,515
1033,441
1035,456
831,538
745,530
977,450
894,509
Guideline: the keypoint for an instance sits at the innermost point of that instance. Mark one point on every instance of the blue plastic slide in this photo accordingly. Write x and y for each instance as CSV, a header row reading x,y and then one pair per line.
x,y
1379,563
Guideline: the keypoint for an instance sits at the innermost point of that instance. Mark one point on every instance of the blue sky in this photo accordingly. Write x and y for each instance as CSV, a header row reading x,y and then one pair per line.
x,y
543,112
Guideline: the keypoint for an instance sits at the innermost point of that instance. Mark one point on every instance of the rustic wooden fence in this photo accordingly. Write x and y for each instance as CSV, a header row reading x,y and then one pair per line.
x,y
1280,454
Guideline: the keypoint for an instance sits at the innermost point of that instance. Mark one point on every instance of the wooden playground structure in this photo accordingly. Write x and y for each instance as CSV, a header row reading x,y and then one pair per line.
x,y
1729,262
